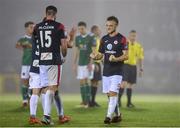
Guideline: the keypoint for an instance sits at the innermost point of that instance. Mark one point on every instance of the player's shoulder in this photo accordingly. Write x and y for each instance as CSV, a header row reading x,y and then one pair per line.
x,y
78,36
91,36
22,38
121,38
138,44
105,37
60,25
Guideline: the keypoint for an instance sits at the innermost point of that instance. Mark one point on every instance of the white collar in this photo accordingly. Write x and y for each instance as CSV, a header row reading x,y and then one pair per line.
x,y
27,36
83,36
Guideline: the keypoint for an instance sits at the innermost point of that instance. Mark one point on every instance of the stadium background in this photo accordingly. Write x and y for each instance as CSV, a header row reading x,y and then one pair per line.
x,y
156,21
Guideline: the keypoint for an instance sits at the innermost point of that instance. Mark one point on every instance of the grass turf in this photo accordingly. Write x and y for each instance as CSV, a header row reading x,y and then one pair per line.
x,y
150,110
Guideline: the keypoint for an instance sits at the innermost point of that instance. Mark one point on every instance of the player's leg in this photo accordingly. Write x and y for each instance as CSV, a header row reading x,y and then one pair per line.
x,y
129,95
131,82
49,77
59,106
87,93
33,106
94,84
88,75
36,87
24,84
113,98
93,91
125,75
80,77
121,91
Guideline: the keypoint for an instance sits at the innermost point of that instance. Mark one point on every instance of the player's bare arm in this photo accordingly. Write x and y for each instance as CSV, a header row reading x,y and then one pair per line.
x,y
21,46
91,60
64,47
124,57
18,45
71,37
75,58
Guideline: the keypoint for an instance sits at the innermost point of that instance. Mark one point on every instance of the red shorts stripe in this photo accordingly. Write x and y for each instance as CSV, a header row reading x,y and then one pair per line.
x,y
59,75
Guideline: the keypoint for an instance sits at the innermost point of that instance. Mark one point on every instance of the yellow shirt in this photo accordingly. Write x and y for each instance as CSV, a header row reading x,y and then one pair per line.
x,y
135,52
97,48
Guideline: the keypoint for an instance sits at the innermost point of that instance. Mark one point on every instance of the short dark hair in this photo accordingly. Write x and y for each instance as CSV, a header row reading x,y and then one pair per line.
x,y
51,10
94,27
82,23
113,18
28,23
132,31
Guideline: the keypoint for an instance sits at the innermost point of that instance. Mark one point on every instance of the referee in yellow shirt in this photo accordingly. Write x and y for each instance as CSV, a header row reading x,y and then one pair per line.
x,y
97,76
136,56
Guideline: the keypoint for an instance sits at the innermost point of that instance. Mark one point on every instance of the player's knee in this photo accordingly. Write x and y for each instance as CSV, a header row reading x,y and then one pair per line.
x,y
36,91
111,93
129,85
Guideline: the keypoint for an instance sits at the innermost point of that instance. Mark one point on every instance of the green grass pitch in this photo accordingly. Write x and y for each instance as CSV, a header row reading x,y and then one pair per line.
x,y
151,110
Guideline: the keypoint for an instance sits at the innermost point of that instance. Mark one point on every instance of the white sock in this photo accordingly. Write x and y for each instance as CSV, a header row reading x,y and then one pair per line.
x,y
43,100
48,102
112,106
33,104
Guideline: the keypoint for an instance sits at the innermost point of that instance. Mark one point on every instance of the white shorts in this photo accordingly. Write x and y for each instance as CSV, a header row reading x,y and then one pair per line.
x,y
50,75
111,83
34,80
84,73
25,72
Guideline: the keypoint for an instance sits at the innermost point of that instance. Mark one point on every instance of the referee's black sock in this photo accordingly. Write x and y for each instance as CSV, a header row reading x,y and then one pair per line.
x,y
93,93
121,91
129,94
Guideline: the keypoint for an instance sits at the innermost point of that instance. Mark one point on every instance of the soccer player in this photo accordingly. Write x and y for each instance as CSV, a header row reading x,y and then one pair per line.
x,y
53,43
34,82
113,47
136,56
25,44
97,76
84,45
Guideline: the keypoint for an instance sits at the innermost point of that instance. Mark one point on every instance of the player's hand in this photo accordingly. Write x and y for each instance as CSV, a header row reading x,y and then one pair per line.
x,y
93,55
18,46
73,31
112,58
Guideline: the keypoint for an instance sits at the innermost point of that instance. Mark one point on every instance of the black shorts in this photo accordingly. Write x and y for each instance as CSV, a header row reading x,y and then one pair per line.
x,y
129,73
97,72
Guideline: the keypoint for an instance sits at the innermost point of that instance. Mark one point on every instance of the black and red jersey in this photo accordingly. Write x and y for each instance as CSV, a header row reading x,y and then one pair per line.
x,y
112,46
49,34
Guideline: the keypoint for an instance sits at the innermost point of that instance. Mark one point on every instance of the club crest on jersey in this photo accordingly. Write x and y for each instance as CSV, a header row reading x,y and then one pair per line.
x,y
109,46
115,42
